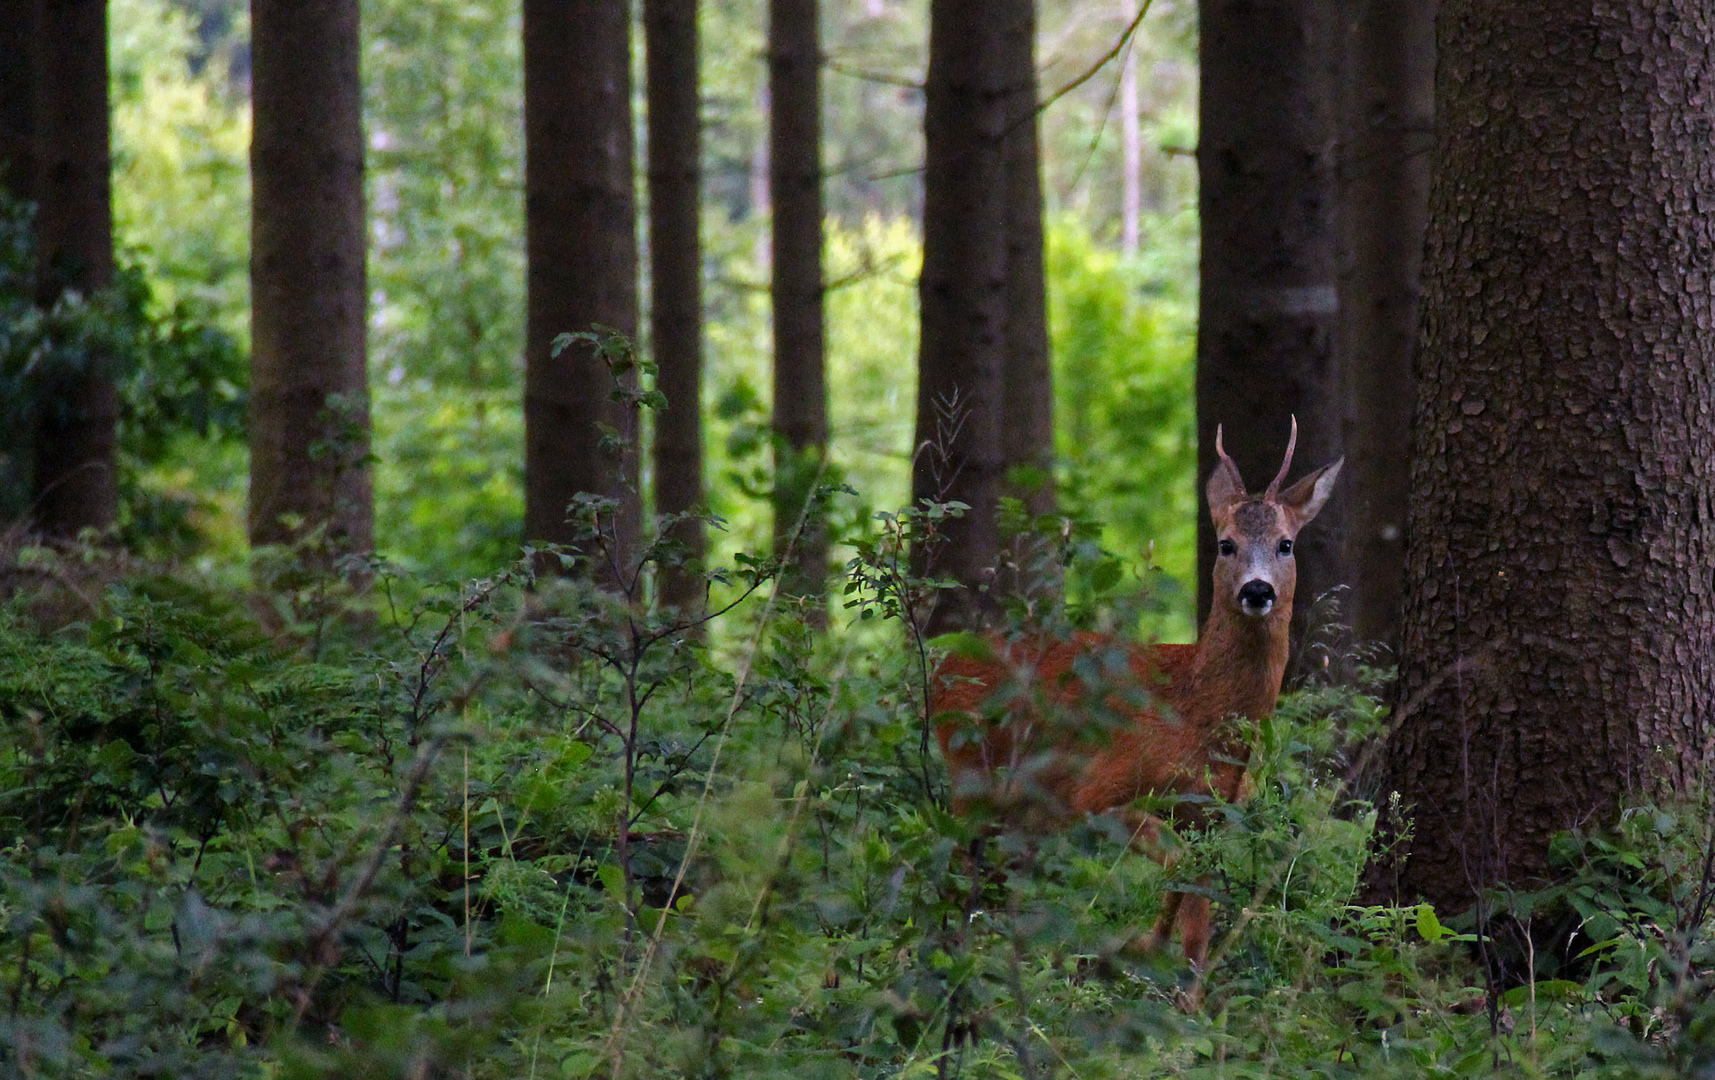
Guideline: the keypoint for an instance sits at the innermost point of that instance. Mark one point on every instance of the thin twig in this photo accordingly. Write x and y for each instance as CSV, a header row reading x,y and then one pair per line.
x,y
860,74
1106,59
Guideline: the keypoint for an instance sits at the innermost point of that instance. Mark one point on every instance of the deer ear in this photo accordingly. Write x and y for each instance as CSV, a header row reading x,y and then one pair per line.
x,y
1304,499
1226,488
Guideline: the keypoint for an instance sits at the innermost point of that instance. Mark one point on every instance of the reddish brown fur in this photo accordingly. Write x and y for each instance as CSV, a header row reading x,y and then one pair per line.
x,y
1174,704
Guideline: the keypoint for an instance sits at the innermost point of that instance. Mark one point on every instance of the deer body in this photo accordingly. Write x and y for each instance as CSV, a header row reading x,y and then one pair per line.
x,y
1019,732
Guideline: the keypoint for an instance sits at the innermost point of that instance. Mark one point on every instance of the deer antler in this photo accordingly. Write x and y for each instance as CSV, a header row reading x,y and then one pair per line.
x,y
1280,477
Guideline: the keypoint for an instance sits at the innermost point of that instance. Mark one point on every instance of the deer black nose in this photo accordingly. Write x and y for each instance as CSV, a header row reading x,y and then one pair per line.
x,y
1256,597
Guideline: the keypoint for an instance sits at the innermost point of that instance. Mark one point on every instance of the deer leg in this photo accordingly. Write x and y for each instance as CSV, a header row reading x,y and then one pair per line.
x,y
1194,932
1162,936
1190,911
1146,839
1194,928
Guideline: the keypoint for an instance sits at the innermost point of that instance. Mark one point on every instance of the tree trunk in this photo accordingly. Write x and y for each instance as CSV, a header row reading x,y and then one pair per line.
x,y
676,282
800,386
756,186
1387,135
20,36
581,251
1131,145
309,398
1027,424
76,434
1268,302
963,294
1559,626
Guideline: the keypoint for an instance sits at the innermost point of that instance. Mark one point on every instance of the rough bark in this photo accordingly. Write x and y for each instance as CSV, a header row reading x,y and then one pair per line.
x,y
963,293
581,254
800,382
76,428
1027,416
1268,302
1559,624
1387,134
676,281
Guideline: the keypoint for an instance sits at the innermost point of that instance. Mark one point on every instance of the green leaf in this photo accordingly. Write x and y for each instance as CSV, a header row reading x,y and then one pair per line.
x,y
1106,575
966,646
575,753
1601,946
1428,926
1546,990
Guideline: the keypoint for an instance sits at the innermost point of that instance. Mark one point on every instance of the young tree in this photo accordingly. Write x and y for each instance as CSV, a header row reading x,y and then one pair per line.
x,y
1559,627
963,293
800,386
1386,136
581,255
76,426
309,399
1131,147
676,277
1028,408
1268,303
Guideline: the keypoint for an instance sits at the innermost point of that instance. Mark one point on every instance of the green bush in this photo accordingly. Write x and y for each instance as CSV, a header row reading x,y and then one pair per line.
x,y
180,381
528,827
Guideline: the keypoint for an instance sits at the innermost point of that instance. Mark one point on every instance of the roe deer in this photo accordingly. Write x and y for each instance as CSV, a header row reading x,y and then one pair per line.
x,y
1167,707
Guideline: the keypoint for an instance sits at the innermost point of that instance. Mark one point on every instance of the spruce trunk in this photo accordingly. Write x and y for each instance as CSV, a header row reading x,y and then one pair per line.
x,y
800,382
959,454
581,277
20,35
1387,136
1559,625
76,437
1268,302
676,284
1027,427
309,400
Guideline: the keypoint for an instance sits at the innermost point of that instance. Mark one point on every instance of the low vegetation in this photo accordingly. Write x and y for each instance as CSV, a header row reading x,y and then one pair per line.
x,y
521,827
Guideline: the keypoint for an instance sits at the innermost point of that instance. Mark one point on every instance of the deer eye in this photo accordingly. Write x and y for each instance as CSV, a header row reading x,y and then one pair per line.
x,y
1229,548
1286,547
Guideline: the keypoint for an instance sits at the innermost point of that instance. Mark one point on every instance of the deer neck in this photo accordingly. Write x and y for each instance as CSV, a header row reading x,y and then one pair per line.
x,y
1238,665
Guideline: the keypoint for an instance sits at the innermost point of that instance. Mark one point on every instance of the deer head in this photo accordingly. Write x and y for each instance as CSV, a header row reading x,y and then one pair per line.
x,y
1255,571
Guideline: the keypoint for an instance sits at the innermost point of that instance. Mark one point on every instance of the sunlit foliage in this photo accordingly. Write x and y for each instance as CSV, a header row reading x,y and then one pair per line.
x,y
442,86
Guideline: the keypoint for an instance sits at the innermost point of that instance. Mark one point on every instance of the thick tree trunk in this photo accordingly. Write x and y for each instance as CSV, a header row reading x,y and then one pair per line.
x,y
581,250
800,384
1386,138
76,430
1559,627
1268,300
309,399
676,281
20,35
1027,417
963,292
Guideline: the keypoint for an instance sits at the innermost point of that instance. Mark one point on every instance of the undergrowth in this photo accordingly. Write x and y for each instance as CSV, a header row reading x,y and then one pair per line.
x,y
525,827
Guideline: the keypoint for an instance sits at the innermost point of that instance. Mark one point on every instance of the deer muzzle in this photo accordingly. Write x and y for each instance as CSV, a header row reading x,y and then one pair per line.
x,y
1256,598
